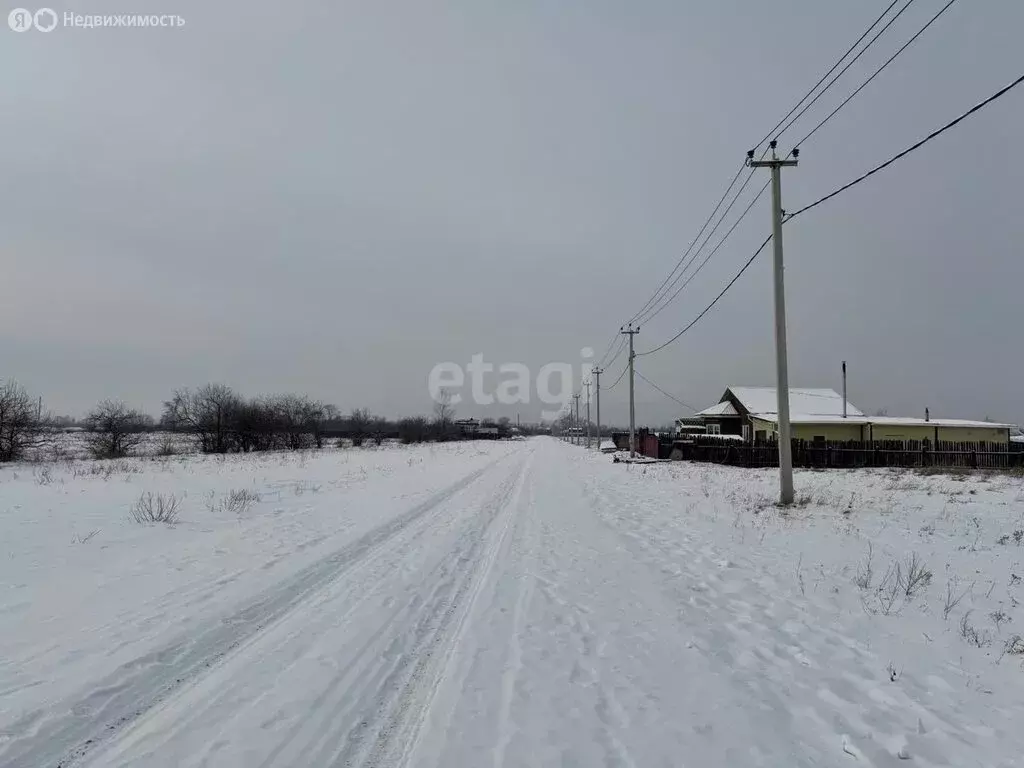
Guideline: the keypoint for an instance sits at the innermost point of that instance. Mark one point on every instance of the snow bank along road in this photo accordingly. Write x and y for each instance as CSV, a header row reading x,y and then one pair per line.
x,y
518,604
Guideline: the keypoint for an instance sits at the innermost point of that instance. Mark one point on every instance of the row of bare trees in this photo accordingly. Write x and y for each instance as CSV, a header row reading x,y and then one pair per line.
x,y
220,419
225,422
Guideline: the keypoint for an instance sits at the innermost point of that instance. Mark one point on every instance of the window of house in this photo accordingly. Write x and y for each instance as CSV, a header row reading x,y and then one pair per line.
x,y
746,432
819,438
714,429
760,435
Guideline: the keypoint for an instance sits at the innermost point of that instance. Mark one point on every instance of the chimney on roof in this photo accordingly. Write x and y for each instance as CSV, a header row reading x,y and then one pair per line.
x,y
844,389
927,415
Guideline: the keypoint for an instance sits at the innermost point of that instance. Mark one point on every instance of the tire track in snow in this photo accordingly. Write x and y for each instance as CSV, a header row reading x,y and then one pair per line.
x,y
421,638
514,668
60,740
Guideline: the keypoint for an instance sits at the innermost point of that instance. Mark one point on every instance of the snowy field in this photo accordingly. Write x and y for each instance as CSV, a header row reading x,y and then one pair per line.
x,y
506,604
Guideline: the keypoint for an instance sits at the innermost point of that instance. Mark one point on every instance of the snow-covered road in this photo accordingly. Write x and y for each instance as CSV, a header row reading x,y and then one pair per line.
x,y
533,611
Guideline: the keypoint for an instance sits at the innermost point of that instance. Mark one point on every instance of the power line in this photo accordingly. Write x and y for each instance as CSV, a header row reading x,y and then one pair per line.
x,y
649,307
672,277
714,229
666,394
709,306
823,77
682,258
611,344
622,347
877,72
911,148
849,64
712,253
658,298
621,375
977,107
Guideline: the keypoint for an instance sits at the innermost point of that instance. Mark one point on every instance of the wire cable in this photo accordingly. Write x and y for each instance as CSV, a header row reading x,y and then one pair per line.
x,y
625,368
825,76
877,72
622,346
843,71
661,291
917,145
643,319
682,258
713,251
712,304
616,337
666,394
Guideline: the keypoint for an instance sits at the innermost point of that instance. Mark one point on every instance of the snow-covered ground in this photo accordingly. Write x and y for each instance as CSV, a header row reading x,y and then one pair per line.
x,y
510,604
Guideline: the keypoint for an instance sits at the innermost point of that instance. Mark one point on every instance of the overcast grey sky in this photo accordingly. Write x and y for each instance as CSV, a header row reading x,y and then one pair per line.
x,y
332,197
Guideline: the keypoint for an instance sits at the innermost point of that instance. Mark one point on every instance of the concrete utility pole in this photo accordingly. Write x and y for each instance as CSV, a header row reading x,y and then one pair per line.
x,y
588,415
597,391
781,361
576,440
631,332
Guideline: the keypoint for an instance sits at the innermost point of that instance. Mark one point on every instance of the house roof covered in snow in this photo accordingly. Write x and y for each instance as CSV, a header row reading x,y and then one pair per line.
x,y
894,421
724,408
811,418
807,402
913,422
1017,438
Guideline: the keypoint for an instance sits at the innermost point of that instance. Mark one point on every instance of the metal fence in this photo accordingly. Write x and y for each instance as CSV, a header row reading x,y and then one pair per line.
x,y
850,454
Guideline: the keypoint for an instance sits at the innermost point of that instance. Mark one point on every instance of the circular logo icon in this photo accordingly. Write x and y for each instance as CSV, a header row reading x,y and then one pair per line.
x,y
45,19
20,20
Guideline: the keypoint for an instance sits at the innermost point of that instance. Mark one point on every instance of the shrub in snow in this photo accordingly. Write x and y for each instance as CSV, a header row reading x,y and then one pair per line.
x,y
952,599
864,571
167,447
969,633
114,429
998,618
917,576
1014,646
157,508
239,501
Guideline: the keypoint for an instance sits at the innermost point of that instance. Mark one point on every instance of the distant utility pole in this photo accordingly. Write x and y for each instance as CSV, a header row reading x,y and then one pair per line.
x,y
631,332
576,440
597,391
781,362
588,415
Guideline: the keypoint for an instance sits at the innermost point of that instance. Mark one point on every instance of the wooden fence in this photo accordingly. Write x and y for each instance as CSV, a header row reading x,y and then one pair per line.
x,y
850,454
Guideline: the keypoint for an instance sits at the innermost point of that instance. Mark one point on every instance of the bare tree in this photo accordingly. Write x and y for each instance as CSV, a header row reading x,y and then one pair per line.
x,y
413,430
255,426
315,416
444,414
359,422
210,412
114,429
378,428
290,416
22,423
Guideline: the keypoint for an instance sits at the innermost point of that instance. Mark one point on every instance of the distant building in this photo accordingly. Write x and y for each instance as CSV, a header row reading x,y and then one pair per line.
x,y
820,415
466,426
